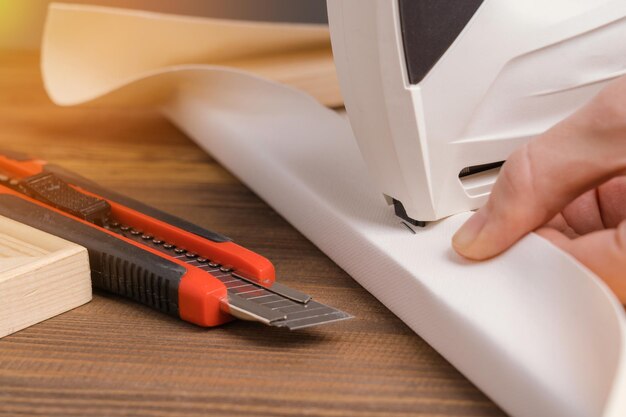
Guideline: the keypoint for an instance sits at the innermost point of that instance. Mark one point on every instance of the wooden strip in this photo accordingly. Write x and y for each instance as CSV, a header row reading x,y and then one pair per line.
x,y
41,276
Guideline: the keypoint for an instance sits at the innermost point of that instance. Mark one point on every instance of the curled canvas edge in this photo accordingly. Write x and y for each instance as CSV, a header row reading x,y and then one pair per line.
x,y
183,77
89,50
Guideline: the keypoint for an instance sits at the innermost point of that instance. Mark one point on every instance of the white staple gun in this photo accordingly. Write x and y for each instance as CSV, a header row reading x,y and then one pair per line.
x,y
440,92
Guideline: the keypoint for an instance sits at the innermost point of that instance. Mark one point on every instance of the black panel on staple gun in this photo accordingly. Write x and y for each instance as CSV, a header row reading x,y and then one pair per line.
x,y
429,27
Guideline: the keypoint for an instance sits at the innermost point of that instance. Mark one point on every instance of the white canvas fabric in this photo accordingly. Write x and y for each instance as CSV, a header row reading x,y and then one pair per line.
x,y
536,331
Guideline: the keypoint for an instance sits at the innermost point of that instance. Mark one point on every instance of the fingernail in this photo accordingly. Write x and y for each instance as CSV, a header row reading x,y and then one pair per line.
x,y
468,233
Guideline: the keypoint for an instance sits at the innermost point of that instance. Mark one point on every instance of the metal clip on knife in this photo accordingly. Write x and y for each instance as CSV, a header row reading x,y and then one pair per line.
x,y
152,257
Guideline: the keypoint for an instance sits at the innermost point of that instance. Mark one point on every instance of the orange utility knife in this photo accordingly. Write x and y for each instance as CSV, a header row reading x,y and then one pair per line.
x,y
150,256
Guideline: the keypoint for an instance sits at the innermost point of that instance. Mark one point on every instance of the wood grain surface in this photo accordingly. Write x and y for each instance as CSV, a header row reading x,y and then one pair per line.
x,y
112,357
310,70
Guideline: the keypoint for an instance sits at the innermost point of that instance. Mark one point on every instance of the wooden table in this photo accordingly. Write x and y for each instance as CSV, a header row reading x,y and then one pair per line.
x,y
115,358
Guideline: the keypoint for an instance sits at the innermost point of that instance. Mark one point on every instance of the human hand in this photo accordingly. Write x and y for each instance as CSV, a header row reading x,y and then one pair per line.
x,y
568,184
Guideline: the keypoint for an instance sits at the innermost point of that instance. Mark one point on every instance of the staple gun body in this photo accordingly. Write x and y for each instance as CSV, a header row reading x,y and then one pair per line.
x,y
440,92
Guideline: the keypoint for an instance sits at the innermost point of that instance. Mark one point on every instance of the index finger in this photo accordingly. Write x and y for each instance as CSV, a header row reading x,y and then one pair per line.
x,y
542,177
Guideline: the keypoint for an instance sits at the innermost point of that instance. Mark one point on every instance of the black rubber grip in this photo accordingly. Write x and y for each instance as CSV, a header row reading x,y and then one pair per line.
x,y
116,266
91,186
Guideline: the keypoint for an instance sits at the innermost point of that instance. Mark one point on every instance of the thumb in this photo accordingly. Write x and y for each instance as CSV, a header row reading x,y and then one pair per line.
x,y
542,177
603,252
